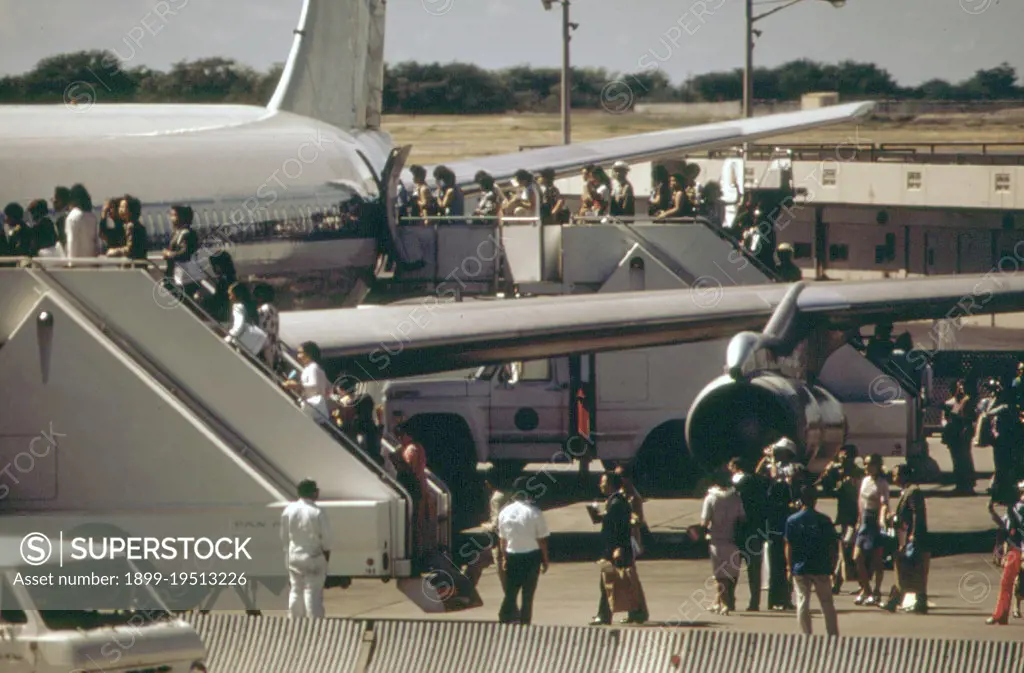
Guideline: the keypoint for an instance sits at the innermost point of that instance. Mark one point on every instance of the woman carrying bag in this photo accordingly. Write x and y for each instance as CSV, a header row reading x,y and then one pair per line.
x,y
245,331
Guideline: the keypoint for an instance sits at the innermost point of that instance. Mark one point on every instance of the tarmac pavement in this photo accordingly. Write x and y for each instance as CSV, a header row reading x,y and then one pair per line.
x,y
962,585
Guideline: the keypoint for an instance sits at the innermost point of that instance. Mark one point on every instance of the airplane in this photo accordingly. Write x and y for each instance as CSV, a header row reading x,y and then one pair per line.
x,y
261,178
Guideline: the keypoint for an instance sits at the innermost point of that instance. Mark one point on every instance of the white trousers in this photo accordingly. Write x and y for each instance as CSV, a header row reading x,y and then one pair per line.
x,y
306,597
822,585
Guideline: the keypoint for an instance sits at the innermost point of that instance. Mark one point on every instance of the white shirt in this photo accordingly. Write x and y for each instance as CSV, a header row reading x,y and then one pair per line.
x,y
874,492
305,532
238,313
314,382
528,193
83,234
723,510
521,525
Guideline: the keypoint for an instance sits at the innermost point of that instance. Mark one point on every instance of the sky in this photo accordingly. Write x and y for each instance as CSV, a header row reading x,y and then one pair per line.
x,y
915,40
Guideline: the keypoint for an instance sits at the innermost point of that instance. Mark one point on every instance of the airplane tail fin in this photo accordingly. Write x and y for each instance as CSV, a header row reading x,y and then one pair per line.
x,y
335,72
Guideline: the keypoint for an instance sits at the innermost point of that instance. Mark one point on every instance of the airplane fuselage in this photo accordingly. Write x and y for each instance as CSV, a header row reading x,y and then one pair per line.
x,y
233,164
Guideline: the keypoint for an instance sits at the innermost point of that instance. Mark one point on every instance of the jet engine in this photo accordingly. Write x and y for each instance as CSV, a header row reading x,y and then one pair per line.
x,y
741,417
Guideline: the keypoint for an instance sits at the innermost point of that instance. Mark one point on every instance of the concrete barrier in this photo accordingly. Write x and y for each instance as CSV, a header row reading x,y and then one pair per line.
x,y
242,644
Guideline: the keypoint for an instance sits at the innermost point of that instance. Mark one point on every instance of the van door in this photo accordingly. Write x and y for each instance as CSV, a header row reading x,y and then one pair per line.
x,y
529,416
15,656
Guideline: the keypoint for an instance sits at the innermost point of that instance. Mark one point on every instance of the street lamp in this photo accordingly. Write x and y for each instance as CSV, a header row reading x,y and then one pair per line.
x,y
567,28
748,66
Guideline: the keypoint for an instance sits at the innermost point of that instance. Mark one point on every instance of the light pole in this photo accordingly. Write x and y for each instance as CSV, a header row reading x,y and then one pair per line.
x,y
749,33
567,28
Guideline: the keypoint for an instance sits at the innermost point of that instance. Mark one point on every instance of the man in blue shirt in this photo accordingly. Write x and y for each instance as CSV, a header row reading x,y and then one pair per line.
x,y
810,557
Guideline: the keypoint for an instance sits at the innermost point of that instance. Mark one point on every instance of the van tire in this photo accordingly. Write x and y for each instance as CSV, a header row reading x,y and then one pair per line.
x,y
663,463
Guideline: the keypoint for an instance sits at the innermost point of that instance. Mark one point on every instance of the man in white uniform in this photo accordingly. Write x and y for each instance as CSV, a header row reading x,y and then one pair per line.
x,y
523,552
305,534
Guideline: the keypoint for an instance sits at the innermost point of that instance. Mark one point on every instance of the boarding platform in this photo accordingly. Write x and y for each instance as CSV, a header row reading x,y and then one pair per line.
x,y
163,427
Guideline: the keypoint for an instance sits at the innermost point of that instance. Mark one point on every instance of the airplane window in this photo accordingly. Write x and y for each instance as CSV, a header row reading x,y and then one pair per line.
x,y
161,224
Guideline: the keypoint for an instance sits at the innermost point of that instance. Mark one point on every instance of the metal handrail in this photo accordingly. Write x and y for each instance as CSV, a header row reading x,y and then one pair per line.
x,y
443,219
388,443
336,433
391,443
699,219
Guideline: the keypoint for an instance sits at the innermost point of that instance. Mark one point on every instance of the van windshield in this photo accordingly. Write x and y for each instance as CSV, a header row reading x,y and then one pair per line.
x,y
61,620
485,373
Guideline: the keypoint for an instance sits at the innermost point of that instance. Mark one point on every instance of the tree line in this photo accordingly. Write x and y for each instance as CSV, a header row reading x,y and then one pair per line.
x,y
434,88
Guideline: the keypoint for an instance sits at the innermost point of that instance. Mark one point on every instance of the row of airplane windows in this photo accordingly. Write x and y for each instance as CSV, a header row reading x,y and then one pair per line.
x,y
157,218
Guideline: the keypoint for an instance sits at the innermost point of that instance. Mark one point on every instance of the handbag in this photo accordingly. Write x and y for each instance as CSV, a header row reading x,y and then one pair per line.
x,y
188,273
253,339
316,408
620,586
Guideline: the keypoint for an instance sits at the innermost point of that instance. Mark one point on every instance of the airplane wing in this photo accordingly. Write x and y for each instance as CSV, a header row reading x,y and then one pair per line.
x,y
379,343
569,159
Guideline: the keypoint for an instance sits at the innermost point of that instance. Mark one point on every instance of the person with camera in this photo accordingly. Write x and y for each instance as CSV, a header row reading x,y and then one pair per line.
x,y
957,434
786,477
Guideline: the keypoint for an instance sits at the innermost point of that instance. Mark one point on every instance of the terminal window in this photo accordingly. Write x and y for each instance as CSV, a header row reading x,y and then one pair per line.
x,y
914,180
1002,182
828,177
838,252
802,250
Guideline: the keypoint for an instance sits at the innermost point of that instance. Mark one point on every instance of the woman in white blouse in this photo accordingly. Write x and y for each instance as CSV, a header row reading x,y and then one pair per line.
x,y
245,317
526,200
874,509
81,226
312,384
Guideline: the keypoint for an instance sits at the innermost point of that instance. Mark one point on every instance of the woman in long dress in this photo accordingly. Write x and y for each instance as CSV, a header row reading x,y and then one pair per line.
x,y
722,512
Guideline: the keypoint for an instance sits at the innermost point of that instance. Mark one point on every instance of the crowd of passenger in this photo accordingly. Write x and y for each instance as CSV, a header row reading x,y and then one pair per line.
x,y
757,514
71,228
535,196
673,198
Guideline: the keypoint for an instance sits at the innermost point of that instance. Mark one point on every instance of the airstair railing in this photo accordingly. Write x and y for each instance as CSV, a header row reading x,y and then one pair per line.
x,y
703,221
258,362
441,492
340,437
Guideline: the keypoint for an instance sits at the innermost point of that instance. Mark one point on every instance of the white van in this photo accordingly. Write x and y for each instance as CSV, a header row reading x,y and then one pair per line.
x,y
37,639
